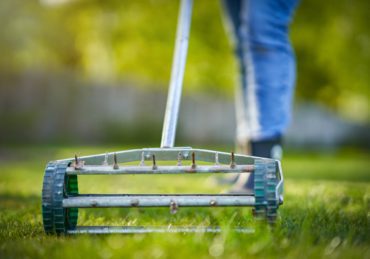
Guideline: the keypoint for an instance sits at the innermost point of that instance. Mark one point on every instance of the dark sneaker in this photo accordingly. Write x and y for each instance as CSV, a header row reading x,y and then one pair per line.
x,y
263,148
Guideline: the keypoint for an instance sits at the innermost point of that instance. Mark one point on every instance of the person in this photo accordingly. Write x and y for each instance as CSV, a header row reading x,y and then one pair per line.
x,y
260,35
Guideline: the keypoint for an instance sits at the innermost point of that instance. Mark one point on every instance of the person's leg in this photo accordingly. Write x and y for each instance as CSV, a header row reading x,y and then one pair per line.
x,y
233,21
269,76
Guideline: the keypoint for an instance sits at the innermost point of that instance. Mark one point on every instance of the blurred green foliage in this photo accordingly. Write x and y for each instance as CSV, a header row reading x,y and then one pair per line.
x,y
332,42
133,41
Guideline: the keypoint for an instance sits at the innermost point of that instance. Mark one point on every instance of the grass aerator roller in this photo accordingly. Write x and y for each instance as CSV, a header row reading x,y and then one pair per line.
x,y
61,200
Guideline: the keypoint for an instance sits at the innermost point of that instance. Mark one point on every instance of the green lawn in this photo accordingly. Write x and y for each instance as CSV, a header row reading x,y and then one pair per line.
x,y
326,212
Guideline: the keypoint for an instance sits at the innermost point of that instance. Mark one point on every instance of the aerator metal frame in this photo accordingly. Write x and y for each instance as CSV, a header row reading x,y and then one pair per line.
x,y
61,200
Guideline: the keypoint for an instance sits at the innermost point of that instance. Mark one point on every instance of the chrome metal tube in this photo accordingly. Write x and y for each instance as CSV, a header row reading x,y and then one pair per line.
x,y
150,229
177,74
93,170
127,201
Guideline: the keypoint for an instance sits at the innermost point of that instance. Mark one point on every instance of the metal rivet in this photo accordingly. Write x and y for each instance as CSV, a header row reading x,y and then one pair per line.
x,y
173,207
213,203
134,202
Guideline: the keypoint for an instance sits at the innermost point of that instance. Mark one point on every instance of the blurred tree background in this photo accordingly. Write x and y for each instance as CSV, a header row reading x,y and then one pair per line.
x,y
132,41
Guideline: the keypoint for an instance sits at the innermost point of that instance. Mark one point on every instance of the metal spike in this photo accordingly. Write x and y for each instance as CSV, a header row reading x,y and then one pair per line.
x,y
179,159
142,162
193,165
216,159
154,163
115,165
77,164
232,163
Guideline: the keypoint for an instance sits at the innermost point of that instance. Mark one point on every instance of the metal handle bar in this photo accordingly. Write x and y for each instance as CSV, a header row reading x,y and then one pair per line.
x,y
177,74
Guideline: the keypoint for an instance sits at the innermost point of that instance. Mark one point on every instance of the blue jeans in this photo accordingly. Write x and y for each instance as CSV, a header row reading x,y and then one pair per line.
x,y
260,31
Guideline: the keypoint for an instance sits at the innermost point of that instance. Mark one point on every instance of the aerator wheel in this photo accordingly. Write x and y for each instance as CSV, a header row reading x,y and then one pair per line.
x,y
265,182
58,185
47,199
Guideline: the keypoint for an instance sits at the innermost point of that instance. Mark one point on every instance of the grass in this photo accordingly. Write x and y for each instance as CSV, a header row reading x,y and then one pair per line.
x,y
325,214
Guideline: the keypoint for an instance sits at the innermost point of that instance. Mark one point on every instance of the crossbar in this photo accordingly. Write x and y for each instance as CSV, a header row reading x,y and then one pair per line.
x,y
93,170
158,200
157,229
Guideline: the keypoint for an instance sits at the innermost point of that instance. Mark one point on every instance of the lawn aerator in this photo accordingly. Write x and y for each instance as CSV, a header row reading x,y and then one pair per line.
x,y
61,200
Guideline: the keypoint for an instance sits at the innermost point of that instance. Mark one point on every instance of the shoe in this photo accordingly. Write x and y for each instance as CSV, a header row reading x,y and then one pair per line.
x,y
270,148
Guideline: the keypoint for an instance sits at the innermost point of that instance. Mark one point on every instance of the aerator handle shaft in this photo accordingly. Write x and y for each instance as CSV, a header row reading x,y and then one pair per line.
x,y
177,74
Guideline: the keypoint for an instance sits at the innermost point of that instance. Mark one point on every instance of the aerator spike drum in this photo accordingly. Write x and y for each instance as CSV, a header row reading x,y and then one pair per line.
x,y
61,199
